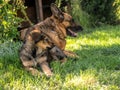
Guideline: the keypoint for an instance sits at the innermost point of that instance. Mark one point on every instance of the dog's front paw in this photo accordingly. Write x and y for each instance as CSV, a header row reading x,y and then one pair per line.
x,y
46,69
48,74
70,54
33,71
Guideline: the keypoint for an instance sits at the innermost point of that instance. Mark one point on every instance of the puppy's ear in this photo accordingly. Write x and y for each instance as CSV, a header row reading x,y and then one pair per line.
x,y
57,13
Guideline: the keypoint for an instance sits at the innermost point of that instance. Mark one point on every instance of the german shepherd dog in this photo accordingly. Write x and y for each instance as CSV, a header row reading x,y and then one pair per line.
x,y
46,40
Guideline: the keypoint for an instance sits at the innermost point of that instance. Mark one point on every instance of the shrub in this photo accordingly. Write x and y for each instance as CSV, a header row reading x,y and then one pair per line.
x,y
79,15
102,11
8,19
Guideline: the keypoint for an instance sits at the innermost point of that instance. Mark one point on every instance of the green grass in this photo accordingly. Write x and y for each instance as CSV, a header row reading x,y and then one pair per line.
x,y
97,68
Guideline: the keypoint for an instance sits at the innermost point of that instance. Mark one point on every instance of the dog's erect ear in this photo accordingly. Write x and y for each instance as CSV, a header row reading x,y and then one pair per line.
x,y
57,12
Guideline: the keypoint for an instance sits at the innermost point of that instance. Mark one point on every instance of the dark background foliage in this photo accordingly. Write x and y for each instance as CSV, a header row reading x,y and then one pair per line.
x,y
102,11
9,20
88,13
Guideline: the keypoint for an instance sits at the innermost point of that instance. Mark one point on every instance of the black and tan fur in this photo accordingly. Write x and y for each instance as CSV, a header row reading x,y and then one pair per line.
x,y
46,41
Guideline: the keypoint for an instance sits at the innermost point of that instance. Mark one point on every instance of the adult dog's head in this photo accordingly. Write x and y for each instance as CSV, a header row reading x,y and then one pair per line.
x,y
71,28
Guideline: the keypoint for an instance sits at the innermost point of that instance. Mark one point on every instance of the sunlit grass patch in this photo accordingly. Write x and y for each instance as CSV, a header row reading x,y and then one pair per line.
x,y
98,37
82,80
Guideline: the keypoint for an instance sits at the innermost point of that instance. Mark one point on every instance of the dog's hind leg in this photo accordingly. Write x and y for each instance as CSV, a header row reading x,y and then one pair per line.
x,y
26,54
27,58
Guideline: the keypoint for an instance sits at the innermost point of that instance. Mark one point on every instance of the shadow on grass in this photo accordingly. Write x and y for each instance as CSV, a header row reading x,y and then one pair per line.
x,y
90,57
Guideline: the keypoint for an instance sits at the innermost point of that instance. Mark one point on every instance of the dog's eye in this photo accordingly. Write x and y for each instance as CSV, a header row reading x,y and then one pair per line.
x,y
72,20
